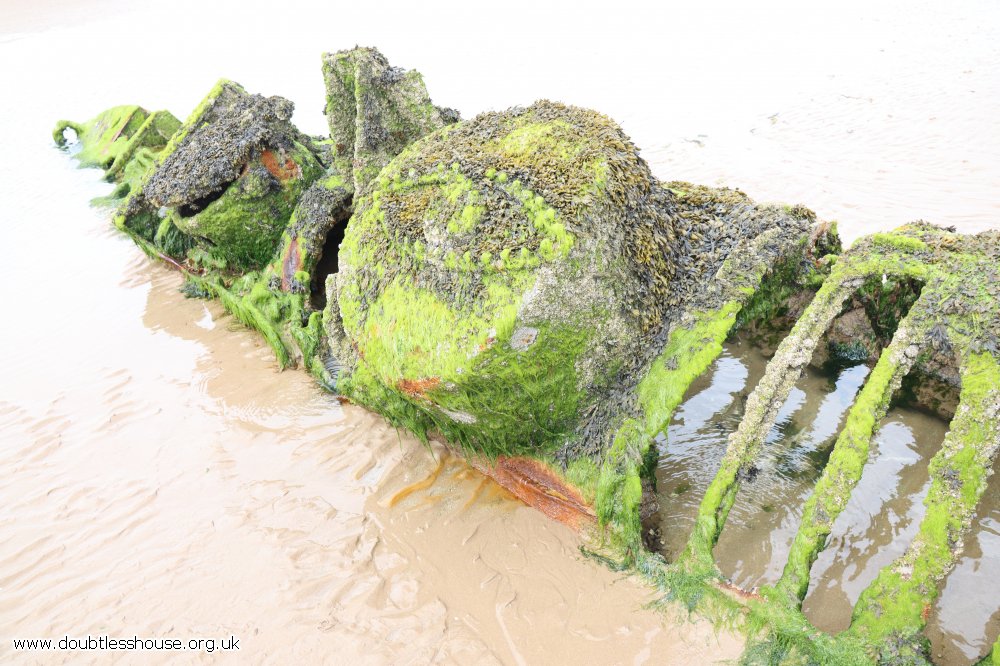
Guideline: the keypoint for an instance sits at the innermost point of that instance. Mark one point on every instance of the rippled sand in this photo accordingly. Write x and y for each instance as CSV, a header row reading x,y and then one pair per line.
x,y
222,497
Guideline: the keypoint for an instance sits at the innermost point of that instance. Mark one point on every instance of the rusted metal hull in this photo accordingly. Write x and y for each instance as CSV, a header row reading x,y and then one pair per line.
x,y
532,482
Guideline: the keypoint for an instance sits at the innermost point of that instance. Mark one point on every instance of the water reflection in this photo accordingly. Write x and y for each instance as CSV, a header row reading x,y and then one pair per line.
x,y
753,547
765,516
966,618
880,519
691,451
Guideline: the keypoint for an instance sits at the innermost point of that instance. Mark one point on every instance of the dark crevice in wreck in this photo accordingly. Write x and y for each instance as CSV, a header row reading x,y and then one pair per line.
x,y
935,383
327,263
192,208
867,322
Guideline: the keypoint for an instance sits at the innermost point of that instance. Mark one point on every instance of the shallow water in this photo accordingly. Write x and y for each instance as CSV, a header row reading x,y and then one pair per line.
x,y
690,455
765,517
881,517
966,615
161,478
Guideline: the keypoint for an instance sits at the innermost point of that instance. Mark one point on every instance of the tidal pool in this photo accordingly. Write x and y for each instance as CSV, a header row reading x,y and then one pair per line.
x,y
881,517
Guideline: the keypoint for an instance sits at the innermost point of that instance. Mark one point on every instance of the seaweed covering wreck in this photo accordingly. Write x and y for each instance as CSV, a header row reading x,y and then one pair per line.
x,y
521,286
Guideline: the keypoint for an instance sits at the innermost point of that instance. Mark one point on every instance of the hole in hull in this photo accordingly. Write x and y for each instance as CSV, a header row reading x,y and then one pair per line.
x,y
327,264
192,208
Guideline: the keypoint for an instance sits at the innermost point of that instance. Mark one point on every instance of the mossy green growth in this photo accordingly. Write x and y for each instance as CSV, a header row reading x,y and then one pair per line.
x,y
461,368
558,144
776,634
123,140
229,177
294,332
768,306
502,403
689,352
694,343
896,241
892,610
466,284
583,474
958,310
151,137
846,463
245,223
374,111
106,136
619,489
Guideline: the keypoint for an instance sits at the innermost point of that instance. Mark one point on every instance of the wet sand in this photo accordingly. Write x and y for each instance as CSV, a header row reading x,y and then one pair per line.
x,y
223,497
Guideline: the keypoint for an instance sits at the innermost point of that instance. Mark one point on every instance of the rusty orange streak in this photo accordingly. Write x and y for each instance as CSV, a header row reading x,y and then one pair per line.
x,y
282,172
539,487
416,388
290,264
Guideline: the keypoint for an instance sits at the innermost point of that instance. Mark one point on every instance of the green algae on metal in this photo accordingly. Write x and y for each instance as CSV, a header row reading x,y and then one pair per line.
x,y
375,111
123,140
538,228
231,176
243,202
